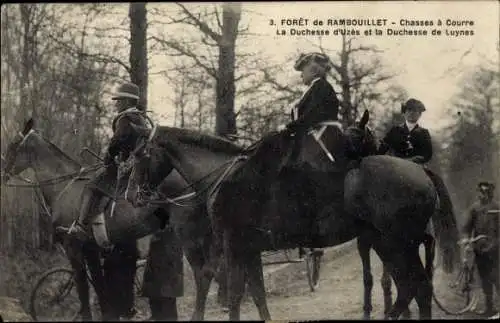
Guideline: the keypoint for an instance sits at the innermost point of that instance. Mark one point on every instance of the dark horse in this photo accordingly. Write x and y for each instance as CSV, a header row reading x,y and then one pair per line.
x,y
386,198
366,145
31,150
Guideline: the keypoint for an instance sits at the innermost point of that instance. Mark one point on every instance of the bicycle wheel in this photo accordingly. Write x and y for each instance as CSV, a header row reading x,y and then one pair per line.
x,y
54,297
464,297
313,265
139,277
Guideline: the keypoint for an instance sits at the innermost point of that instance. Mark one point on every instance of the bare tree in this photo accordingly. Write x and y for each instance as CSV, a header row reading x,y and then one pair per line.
x,y
363,84
473,145
223,72
359,82
138,49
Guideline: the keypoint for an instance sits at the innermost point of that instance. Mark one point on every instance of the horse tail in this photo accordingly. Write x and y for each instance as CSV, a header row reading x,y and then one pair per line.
x,y
445,226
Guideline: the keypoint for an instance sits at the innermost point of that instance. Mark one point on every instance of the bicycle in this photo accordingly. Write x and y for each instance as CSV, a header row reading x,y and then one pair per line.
x,y
464,286
54,296
311,257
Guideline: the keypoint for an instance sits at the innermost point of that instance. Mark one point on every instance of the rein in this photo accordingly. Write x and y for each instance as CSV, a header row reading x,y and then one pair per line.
x,y
55,180
193,195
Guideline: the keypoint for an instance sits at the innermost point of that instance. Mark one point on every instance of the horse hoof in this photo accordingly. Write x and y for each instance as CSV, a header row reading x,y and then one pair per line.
x,y
366,317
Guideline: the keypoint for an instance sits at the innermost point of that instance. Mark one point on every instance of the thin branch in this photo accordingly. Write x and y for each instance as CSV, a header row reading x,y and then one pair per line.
x,y
201,25
180,49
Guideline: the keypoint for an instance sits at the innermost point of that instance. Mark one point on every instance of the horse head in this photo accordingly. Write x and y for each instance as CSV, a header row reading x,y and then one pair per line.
x,y
360,140
199,158
150,166
18,156
30,150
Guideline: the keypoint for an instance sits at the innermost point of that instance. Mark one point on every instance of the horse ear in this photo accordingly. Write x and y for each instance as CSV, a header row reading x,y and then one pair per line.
x,y
28,126
364,119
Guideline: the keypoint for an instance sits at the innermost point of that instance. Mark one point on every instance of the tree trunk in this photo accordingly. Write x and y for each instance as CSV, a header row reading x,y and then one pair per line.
x,y
346,111
24,10
225,122
138,49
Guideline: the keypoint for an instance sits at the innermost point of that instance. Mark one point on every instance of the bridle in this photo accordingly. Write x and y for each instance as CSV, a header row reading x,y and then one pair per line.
x,y
52,181
142,151
11,161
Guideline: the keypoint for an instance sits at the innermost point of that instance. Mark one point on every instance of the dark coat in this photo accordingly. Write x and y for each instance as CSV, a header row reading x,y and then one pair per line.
x,y
124,135
319,104
480,221
163,275
406,144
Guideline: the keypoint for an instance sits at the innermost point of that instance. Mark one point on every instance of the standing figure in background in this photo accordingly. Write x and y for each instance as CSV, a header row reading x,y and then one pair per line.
x,y
482,218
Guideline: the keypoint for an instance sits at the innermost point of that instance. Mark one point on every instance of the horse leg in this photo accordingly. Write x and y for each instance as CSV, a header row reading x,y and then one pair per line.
x,y
235,265
256,285
409,275
222,286
423,289
202,278
364,247
400,268
386,283
92,257
430,249
82,286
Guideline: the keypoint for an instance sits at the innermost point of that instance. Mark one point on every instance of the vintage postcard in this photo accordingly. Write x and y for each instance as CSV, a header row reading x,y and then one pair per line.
x,y
291,161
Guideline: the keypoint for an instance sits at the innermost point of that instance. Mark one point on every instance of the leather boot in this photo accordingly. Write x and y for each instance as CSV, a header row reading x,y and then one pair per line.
x,y
91,204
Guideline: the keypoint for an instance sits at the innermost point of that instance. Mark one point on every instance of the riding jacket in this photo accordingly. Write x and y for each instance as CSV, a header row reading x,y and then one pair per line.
x,y
124,135
318,103
406,144
483,219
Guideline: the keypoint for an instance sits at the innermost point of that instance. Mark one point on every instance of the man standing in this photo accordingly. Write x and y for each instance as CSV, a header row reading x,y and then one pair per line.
x,y
163,275
483,219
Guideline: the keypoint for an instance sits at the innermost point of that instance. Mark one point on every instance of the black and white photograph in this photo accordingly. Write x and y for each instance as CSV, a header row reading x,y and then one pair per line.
x,y
274,161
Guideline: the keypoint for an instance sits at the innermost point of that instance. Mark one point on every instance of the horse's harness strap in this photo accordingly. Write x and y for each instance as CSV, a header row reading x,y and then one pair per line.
x,y
55,180
226,172
43,202
318,133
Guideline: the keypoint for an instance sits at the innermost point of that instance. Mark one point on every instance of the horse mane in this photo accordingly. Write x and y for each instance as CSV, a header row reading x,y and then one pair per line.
x,y
58,150
200,139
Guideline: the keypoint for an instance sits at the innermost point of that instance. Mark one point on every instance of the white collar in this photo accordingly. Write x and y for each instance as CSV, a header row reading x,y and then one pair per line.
x,y
411,126
305,91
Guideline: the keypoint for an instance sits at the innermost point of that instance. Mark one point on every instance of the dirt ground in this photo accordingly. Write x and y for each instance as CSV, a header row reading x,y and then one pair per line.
x,y
338,297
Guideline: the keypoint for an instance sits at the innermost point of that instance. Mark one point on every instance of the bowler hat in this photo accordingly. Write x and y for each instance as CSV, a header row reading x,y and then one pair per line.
x,y
127,90
319,58
412,104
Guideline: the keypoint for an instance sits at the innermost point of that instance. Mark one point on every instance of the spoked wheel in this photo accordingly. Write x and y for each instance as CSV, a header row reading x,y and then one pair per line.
x,y
313,265
54,297
464,294
139,277
142,305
